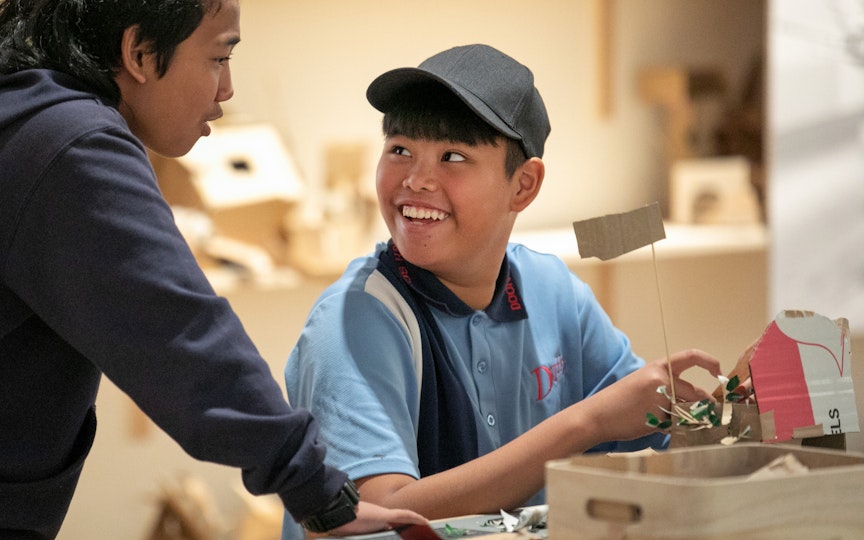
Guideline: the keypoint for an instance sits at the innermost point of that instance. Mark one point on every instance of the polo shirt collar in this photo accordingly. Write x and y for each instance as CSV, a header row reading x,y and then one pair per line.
x,y
506,305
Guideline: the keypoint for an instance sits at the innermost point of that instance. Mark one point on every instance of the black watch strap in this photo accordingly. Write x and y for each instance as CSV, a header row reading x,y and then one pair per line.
x,y
340,512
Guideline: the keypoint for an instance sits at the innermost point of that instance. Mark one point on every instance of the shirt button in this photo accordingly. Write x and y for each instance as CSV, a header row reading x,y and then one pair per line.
x,y
490,419
475,321
481,366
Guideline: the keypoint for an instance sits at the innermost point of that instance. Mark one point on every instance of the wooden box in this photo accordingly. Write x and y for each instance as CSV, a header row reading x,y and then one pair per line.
x,y
706,493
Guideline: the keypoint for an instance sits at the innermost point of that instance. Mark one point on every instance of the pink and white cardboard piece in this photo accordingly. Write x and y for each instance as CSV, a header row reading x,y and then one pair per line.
x,y
802,374
609,236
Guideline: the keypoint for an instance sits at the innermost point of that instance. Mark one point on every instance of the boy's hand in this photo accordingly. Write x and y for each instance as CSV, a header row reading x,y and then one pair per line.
x,y
620,410
741,370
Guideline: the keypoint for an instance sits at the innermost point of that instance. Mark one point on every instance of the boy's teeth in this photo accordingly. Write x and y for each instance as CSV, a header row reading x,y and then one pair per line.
x,y
422,213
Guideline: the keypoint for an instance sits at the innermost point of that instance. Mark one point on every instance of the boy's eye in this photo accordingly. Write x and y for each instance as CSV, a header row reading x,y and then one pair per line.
x,y
452,156
400,151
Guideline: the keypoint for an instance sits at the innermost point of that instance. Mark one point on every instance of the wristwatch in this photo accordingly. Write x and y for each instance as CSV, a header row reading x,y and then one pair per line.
x,y
340,511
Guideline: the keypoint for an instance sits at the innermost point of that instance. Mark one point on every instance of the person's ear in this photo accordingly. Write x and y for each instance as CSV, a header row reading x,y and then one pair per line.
x,y
133,54
529,178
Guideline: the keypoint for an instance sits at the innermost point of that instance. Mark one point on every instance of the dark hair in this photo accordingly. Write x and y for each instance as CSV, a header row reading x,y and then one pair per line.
x,y
431,111
82,37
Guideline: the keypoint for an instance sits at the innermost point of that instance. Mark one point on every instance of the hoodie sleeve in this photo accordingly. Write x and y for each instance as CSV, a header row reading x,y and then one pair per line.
x,y
96,254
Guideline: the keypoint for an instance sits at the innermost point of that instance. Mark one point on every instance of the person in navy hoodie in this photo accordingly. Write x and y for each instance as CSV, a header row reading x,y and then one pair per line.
x,y
95,277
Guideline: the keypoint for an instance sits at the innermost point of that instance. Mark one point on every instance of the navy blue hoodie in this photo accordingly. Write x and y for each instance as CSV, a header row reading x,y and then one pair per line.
x,y
96,279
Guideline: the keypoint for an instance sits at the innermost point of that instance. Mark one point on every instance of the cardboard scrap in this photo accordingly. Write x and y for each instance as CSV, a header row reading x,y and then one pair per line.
x,y
801,370
609,236
785,465
528,518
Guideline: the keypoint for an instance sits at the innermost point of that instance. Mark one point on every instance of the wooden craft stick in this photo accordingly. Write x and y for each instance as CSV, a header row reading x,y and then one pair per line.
x,y
663,324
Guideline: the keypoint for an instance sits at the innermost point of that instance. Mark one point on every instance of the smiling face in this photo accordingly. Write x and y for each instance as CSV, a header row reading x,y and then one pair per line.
x,y
171,112
449,206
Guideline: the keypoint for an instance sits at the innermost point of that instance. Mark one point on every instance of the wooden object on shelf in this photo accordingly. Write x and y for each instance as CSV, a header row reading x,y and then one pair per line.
x,y
675,90
243,179
713,190
740,133
262,518
186,512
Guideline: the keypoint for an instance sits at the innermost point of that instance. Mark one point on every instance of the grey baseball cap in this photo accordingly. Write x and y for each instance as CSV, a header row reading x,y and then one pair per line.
x,y
495,86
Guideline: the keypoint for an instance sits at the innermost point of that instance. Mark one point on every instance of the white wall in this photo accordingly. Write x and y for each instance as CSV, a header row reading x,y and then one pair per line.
x,y
816,141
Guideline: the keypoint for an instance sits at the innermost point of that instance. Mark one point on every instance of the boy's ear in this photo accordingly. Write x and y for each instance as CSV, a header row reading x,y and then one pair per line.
x,y
529,178
133,55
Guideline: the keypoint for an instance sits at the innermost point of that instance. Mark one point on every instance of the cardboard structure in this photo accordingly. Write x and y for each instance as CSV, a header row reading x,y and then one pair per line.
x,y
800,368
238,165
801,372
710,492
802,377
187,511
243,179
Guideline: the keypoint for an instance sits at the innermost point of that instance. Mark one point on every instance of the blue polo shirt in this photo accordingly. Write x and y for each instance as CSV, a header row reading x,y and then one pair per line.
x,y
544,343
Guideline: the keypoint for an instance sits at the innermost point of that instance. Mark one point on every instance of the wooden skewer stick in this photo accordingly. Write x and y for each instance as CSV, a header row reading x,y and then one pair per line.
x,y
663,324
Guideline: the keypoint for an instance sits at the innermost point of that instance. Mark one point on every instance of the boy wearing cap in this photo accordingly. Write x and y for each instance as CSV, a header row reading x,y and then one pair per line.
x,y
447,367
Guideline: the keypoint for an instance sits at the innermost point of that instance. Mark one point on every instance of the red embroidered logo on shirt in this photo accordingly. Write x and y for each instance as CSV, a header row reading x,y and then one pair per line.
x,y
512,297
547,376
403,270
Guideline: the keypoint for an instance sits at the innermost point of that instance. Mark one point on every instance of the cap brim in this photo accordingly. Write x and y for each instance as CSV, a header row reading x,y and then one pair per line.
x,y
384,90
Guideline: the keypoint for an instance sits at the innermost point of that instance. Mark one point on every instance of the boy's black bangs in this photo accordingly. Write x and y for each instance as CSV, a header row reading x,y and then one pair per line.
x,y
431,112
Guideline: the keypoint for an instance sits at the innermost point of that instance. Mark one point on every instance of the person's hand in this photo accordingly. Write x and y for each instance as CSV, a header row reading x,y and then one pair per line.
x,y
621,409
373,518
742,371
680,362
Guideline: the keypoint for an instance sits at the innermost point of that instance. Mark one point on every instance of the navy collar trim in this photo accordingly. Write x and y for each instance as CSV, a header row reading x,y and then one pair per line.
x,y
506,305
